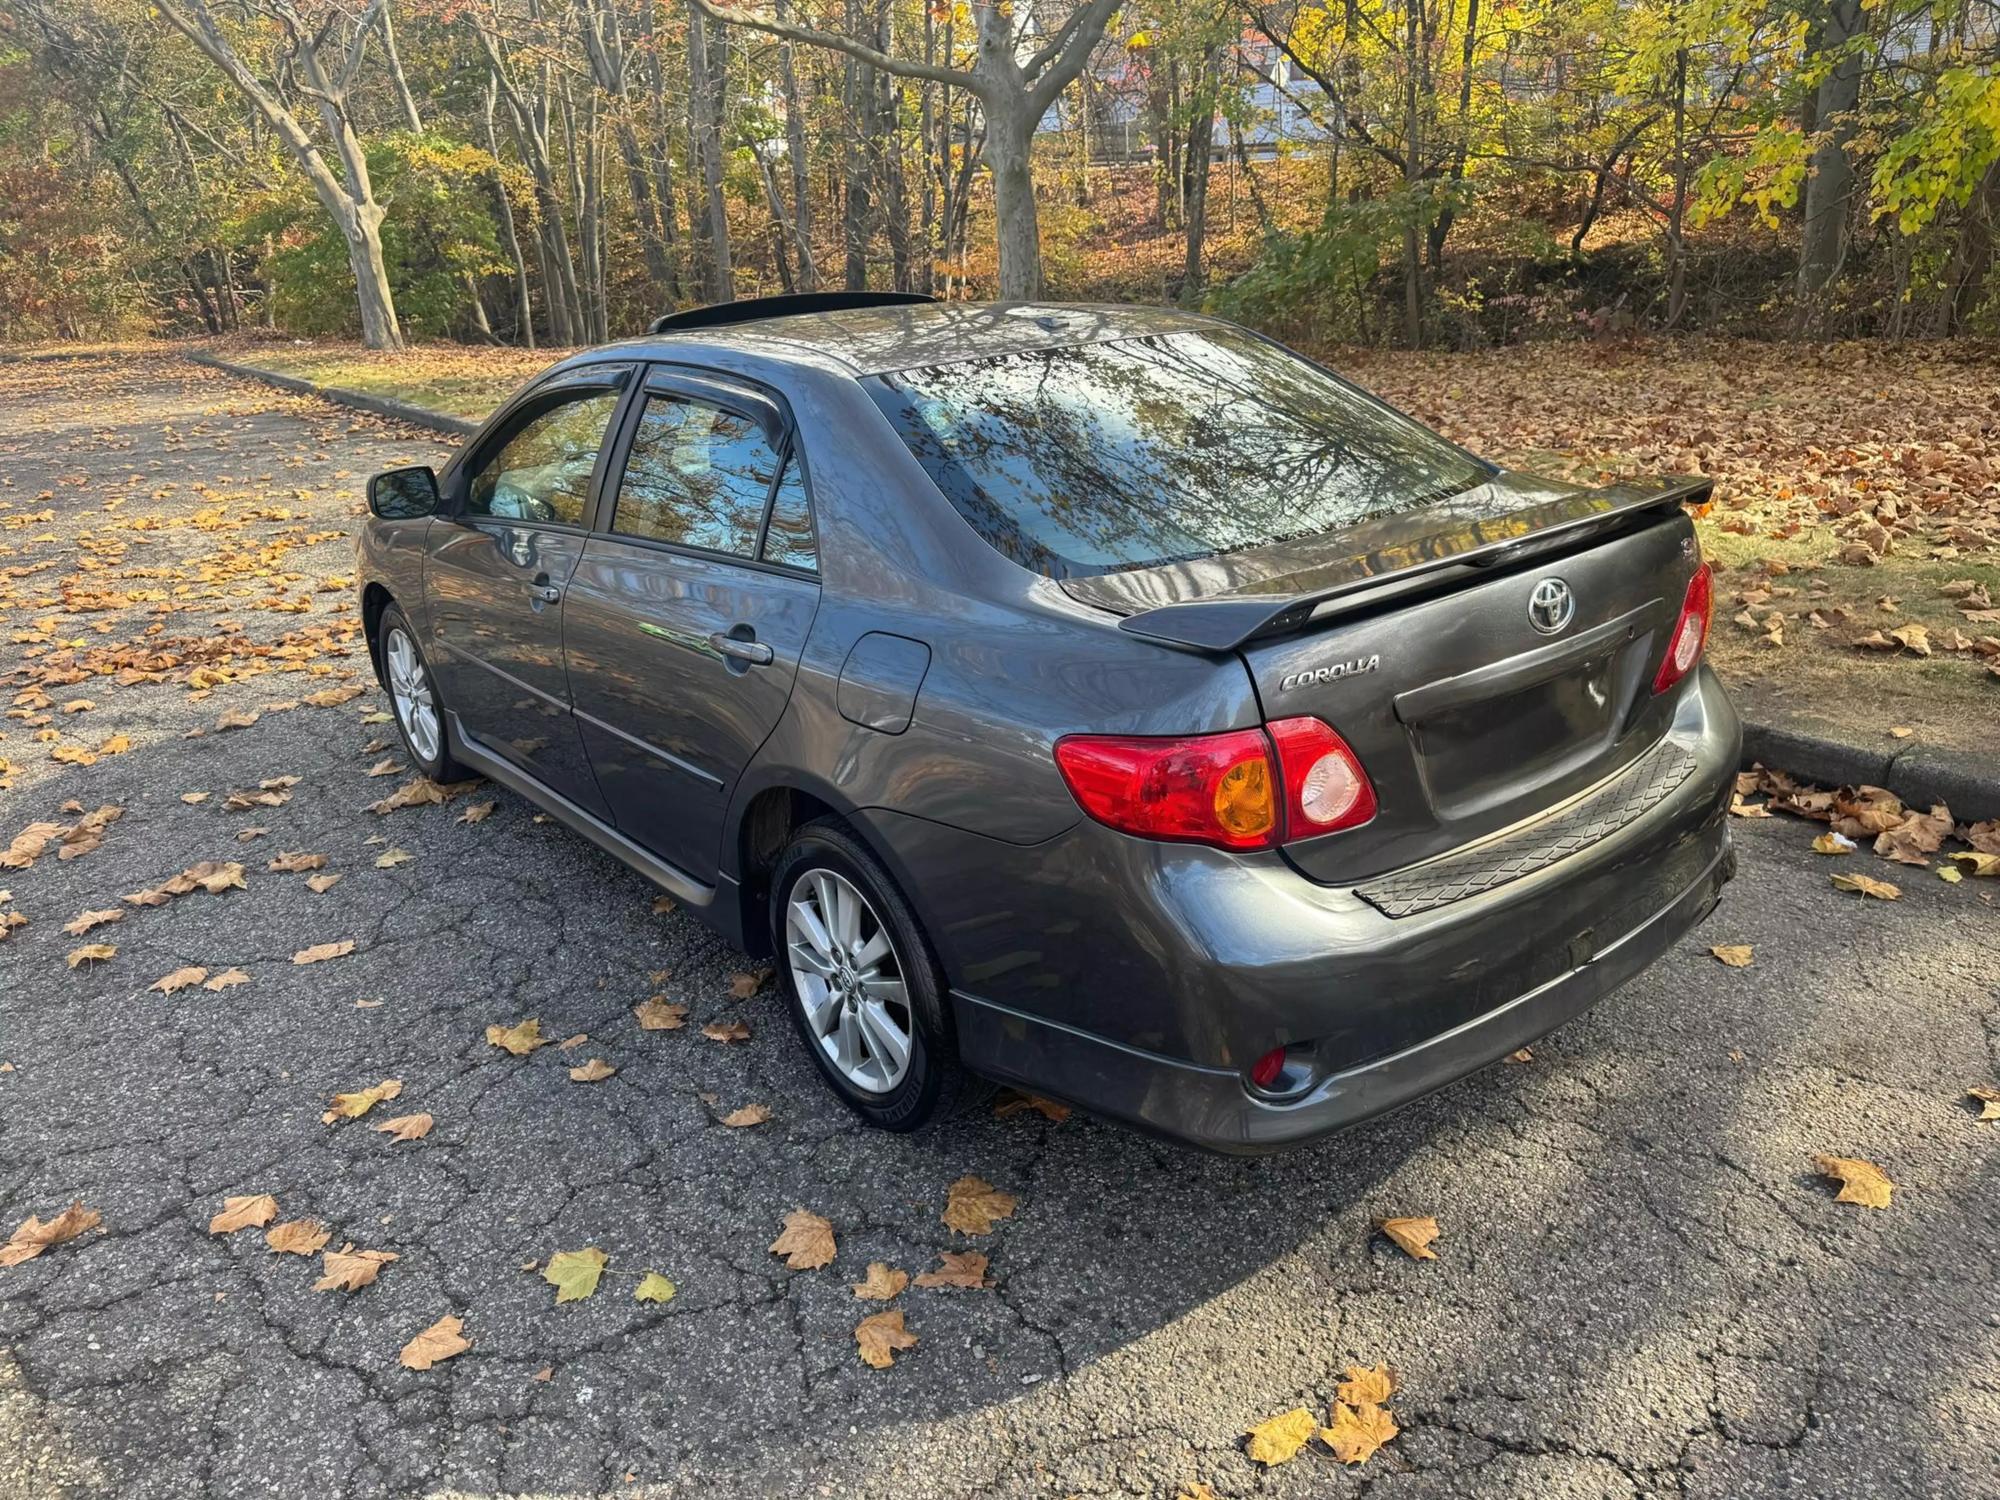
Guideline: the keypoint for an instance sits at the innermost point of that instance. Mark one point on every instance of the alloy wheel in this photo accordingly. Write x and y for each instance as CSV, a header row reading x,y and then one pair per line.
x,y
410,690
849,980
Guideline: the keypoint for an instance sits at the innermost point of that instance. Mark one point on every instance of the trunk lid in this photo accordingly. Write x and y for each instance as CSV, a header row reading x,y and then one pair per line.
x,y
1417,638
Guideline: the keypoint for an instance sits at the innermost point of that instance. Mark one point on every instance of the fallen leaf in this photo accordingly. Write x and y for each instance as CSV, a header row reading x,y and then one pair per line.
x,y
1976,863
883,1284
1735,955
1278,1440
477,812
1520,1055
726,1031
1834,843
1366,1385
297,1237
1413,1236
749,1114
743,985
390,858
91,953
574,1273
90,919
349,1270
657,1013
520,1039
594,1071
807,1241
228,979
663,905
34,1236
251,1211
180,979
294,862
880,1335
1355,1432
407,1127
319,885
1989,1101
387,766
653,1287
439,1342
1860,1181
545,1374
1881,890
1012,1102
319,952
962,1268
194,798
972,1204
569,1043
353,1106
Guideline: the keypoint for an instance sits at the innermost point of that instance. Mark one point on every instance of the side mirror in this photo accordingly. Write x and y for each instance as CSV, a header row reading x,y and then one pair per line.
x,y
404,494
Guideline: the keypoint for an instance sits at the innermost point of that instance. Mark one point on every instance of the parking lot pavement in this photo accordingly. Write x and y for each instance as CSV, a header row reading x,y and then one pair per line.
x,y
1642,1287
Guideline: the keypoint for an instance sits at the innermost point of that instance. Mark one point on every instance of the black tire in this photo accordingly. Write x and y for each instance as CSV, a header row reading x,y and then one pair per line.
x,y
934,1084
439,766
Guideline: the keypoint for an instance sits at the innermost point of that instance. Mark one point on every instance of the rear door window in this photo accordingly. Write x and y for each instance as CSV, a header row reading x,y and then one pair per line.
x,y
1098,457
699,475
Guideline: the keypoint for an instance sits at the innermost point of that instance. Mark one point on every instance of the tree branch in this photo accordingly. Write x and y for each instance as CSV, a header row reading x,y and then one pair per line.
x,y
833,41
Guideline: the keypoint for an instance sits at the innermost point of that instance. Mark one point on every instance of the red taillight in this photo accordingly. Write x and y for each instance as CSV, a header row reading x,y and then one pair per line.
x,y
1265,1070
1326,789
1207,789
1690,630
1226,789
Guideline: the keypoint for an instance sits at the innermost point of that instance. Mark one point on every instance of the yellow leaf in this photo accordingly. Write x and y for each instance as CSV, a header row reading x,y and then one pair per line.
x,y
883,1283
1366,1385
594,1071
1860,1181
440,1341
574,1273
880,1336
1881,890
972,1204
749,1114
1278,1440
248,1212
1414,1236
34,1236
90,919
389,859
406,1127
653,1287
807,1241
297,1237
657,1013
180,979
1735,955
520,1039
1357,1431
353,1106
320,952
1973,863
91,953
963,1268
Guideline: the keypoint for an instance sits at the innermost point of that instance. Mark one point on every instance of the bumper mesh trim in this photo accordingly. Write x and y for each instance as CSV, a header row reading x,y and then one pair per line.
x,y
1471,872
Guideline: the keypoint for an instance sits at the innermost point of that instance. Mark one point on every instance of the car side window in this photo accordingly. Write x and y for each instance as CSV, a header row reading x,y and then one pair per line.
x,y
789,538
542,473
698,476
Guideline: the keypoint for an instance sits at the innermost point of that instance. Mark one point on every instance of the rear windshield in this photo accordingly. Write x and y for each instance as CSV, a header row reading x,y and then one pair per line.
x,y
1097,457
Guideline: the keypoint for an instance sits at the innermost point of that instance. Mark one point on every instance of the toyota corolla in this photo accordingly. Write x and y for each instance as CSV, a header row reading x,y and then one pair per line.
x,y
1106,701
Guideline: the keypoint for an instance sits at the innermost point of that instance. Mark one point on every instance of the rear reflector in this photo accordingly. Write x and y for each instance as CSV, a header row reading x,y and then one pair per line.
x,y
1690,630
1265,1070
1207,789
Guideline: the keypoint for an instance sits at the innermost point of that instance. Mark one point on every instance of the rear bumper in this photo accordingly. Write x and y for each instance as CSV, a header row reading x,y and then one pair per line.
x,y
1242,958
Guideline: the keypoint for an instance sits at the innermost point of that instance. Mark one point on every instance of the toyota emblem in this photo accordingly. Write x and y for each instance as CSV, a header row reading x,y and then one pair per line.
x,y
1551,606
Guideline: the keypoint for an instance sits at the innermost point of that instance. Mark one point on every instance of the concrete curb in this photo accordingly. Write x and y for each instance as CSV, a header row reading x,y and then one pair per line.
x,y
1921,775
381,406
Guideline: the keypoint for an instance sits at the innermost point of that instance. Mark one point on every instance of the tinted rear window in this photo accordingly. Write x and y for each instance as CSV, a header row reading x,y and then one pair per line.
x,y
1097,457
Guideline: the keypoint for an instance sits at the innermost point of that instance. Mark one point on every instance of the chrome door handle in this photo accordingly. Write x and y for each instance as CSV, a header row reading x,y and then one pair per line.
x,y
756,653
548,593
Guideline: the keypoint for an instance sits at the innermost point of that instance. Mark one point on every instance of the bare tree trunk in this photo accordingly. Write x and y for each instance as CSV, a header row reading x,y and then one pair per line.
x,y
1677,210
663,169
524,313
705,101
1413,266
1195,174
795,147
412,121
1830,185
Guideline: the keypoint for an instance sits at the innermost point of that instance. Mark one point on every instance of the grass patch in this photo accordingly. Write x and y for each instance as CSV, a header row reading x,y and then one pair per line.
x,y
462,382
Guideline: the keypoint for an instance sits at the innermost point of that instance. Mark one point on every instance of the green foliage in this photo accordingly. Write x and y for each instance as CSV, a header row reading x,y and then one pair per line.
x,y
1945,153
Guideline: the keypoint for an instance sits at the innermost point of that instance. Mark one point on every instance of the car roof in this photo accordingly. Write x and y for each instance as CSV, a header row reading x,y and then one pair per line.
x,y
874,340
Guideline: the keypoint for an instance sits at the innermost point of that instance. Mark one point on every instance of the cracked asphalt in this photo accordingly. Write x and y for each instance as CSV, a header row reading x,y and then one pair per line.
x,y
1642,1288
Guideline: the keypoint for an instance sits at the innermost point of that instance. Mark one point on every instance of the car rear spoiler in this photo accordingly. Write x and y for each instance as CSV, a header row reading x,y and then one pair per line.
x,y
1391,557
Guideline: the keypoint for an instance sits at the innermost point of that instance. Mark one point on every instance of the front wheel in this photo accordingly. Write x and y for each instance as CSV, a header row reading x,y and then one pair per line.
x,y
414,696
861,982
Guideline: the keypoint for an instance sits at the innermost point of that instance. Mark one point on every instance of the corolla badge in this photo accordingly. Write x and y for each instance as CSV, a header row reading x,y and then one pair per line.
x,y
1551,606
1315,675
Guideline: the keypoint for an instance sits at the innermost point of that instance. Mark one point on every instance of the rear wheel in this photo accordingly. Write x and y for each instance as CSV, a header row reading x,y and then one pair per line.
x,y
413,695
861,982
